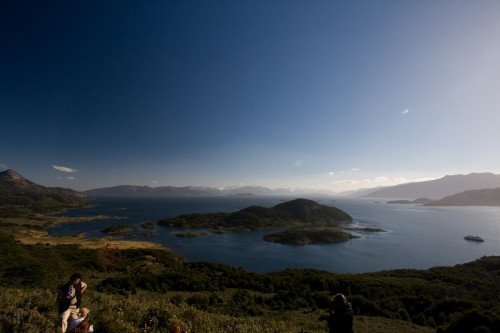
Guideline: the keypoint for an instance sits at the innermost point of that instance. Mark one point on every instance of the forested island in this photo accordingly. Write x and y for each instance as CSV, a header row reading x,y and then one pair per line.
x,y
119,228
305,236
306,222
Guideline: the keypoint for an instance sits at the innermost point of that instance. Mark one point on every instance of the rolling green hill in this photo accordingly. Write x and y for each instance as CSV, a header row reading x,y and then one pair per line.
x,y
298,212
21,197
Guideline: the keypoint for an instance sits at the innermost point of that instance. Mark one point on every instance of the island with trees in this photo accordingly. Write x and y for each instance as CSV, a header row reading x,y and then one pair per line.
x,y
304,222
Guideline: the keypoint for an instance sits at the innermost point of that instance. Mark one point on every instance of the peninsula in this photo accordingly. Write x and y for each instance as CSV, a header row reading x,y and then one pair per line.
x,y
25,209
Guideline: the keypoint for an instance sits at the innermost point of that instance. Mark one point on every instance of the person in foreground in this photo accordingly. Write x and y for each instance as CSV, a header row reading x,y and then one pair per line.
x,y
66,301
84,312
341,315
83,327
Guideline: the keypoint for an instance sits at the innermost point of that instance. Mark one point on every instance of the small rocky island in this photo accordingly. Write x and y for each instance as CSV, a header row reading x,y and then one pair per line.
x,y
305,236
419,201
119,228
306,222
189,234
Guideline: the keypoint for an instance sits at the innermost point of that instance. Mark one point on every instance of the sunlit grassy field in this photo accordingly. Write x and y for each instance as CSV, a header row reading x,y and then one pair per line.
x,y
34,310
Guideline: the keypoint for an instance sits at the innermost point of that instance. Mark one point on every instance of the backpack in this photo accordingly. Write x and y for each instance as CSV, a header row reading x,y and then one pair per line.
x,y
62,301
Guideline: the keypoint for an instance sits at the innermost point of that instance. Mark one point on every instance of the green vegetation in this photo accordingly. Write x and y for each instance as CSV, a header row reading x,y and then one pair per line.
x,y
29,310
309,222
20,197
303,236
147,290
366,229
119,228
293,213
190,234
155,288
149,225
28,205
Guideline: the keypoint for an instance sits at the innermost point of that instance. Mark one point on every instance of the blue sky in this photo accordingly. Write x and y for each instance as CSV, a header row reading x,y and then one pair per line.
x,y
331,95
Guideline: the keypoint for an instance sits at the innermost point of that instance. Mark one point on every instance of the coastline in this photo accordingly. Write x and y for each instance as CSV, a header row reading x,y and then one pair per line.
x,y
33,230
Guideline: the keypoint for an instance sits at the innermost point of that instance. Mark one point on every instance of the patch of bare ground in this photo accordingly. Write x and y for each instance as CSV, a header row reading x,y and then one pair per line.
x,y
39,236
32,230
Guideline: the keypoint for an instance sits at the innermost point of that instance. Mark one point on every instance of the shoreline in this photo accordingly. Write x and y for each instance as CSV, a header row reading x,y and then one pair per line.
x,y
33,237
33,230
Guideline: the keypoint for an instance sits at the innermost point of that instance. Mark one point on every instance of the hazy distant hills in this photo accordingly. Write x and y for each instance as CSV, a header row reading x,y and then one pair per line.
x,y
439,188
146,191
19,196
170,191
478,189
486,197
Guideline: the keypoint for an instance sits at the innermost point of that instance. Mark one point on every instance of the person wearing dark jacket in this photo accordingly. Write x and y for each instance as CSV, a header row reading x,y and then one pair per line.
x,y
69,299
341,315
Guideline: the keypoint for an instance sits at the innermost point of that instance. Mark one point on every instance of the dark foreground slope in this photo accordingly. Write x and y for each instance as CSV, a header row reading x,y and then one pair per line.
x,y
146,290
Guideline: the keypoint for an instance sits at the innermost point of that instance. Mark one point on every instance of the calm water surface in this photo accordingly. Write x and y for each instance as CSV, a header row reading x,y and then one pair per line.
x,y
418,237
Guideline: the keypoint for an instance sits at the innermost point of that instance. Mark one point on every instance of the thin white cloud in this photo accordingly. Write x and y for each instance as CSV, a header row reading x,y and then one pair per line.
x,y
342,172
298,163
64,169
154,182
70,178
406,111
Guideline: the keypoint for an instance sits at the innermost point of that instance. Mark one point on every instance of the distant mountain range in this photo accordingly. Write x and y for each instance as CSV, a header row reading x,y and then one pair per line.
x,y
439,188
433,189
169,191
18,194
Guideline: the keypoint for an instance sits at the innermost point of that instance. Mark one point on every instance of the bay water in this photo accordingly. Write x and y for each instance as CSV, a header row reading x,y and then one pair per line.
x,y
416,236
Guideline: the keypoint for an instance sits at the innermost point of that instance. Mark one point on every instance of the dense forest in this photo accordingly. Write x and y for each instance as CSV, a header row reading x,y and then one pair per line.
x,y
463,298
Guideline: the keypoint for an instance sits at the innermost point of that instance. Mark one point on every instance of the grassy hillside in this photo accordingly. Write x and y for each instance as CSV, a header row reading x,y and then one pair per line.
x,y
147,290
31,310
21,197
